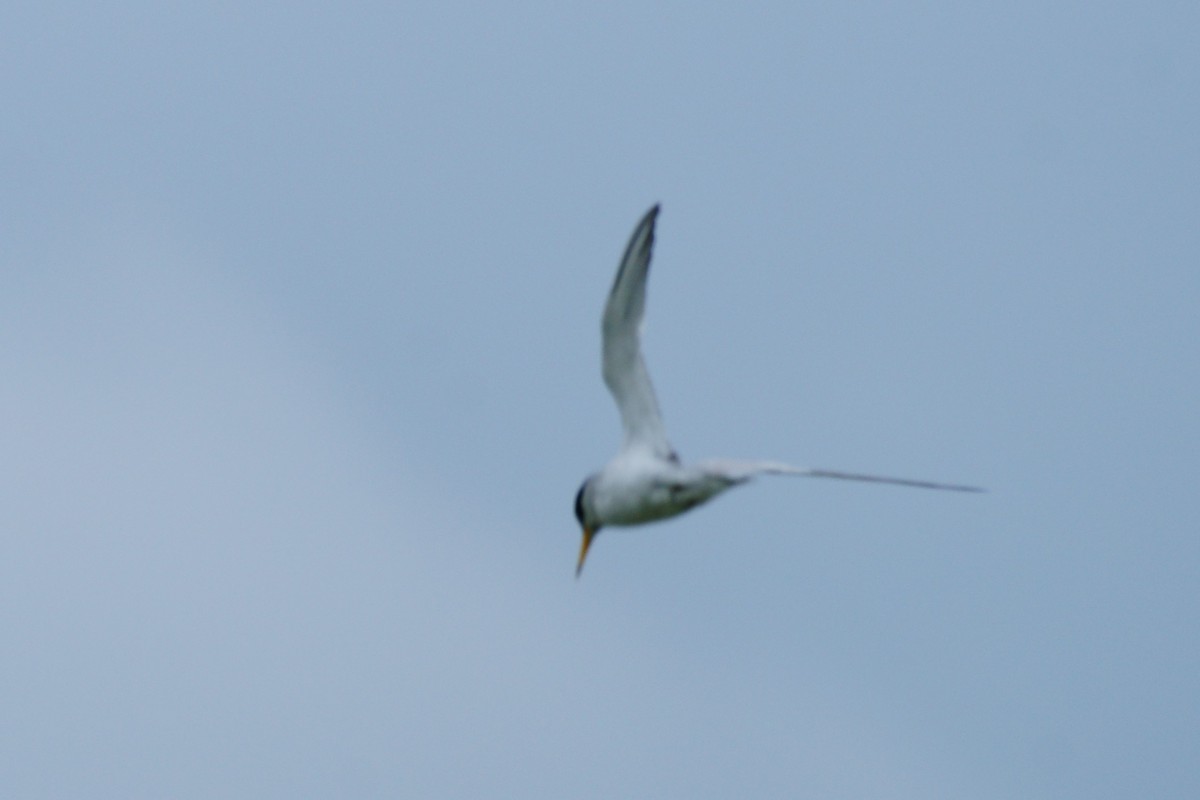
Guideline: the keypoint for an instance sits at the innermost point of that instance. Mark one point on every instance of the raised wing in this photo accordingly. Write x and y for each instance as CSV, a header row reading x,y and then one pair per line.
x,y
624,370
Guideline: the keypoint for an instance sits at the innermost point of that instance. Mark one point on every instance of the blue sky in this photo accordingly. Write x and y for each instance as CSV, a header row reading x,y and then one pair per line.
x,y
300,336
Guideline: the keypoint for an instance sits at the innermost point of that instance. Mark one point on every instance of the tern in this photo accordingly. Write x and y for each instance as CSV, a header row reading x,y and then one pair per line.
x,y
647,481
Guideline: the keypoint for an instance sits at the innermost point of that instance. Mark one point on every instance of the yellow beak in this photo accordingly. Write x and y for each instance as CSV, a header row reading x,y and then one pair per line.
x,y
588,535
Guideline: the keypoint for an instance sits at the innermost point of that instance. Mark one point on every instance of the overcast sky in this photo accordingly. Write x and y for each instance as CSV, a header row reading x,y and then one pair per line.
x,y
299,346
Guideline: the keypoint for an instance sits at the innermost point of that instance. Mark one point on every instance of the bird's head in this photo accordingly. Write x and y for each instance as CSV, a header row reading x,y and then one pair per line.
x,y
587,521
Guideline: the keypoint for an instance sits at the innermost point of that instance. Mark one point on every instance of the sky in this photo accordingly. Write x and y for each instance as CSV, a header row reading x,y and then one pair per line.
x,y
299,336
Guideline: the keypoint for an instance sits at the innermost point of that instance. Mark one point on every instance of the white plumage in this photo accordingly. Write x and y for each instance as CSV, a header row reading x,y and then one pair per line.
x,y
646,481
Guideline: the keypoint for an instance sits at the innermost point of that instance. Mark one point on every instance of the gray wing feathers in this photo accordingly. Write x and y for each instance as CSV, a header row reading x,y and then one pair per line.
x,y
740,471
624,370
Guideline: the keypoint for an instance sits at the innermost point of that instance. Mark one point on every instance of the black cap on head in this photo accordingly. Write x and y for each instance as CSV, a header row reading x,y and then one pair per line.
x,y
579,503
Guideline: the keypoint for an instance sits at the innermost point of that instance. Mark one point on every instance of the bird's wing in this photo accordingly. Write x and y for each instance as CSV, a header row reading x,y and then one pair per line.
x,y
624,370
739,471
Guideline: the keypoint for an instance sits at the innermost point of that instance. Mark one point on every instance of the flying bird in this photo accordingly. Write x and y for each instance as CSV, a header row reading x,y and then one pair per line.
x,y
647,481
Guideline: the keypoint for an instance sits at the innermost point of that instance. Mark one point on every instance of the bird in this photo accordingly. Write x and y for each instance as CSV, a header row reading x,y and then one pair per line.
x,y
647,481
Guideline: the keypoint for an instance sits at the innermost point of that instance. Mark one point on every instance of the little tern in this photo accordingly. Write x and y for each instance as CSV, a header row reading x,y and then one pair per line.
x,y
646,481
